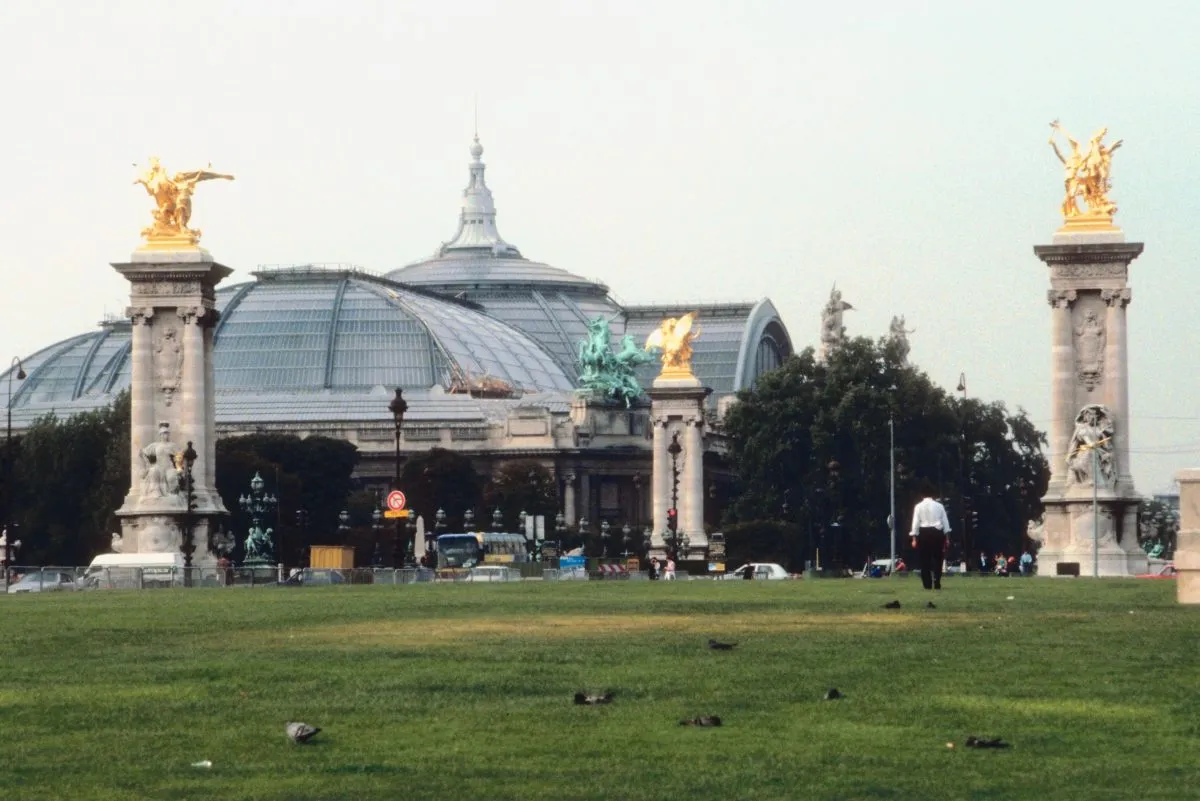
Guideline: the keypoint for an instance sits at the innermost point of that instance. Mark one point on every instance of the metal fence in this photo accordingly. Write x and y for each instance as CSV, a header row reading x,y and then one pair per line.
x,y
52,578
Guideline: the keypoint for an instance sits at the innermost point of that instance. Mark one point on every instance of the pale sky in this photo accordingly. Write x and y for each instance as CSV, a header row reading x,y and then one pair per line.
x,y
675,150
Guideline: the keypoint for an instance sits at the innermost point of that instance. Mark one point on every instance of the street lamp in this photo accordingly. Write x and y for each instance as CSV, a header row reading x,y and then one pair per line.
x,y
962,385
497,520
626,537
468,520
258,504
604,537
8,487
398,406
188,546
9,548
343,522
376,527
674,449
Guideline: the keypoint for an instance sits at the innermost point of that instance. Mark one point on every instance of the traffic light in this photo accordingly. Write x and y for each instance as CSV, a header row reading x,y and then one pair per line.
x,y
672,520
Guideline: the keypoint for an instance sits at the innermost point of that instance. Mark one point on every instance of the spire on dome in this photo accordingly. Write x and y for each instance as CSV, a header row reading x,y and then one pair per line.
x,y
477,223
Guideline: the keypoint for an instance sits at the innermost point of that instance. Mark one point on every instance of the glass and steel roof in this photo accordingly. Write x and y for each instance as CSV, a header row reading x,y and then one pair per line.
x,y
331,334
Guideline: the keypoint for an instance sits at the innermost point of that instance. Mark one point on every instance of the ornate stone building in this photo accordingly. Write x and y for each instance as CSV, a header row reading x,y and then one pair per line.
x,y
482,340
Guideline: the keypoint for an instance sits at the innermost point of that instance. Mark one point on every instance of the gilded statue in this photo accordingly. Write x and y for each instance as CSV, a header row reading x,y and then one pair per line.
x,y
173,204
1086,175
675,336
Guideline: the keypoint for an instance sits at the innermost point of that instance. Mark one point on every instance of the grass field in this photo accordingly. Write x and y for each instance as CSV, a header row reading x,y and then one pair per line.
x,y
465,691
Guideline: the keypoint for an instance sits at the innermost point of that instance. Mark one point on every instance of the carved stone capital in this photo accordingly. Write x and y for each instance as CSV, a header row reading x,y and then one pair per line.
x,y
1061,298
1117,298
198,315
140,315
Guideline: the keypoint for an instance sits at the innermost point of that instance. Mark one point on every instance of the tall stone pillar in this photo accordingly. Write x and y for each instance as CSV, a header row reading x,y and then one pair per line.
x,y
569,516
173,308
1089,427
677,412
1187,544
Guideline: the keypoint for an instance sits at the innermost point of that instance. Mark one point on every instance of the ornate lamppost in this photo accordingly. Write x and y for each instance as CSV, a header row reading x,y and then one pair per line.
x,y
626,537
497,520
188,543
468,520
9,548
8,458
376,527
604,535
258,504
398,406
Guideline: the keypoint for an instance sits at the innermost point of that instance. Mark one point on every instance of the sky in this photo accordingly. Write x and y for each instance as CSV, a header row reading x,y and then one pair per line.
x,y
677,151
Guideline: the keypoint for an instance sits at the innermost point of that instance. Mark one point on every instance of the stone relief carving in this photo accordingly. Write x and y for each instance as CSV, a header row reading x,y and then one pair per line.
x,y
1088,271
168,363
1089,349
118,543
160,476
165,287
1092,444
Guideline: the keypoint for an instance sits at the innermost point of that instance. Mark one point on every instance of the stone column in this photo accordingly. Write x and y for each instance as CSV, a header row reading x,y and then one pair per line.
x,y
584,504
1187,545
569,499
1116,394
191,392
141,396
660,492
1062,383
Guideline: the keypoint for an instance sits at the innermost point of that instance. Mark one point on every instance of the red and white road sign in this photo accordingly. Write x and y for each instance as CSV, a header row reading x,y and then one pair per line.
x,y
395,500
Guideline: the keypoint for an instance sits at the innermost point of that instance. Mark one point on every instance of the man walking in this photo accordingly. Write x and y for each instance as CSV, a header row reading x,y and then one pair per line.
x,y
929,529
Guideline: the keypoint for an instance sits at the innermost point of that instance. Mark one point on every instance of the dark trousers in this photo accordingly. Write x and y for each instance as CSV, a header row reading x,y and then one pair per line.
x,y
931,547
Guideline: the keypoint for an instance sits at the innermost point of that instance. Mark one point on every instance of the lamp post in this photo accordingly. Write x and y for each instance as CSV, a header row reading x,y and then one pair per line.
x,y
497,519
376,527
398,406
626,536
257,504
9,548
343,522
673,450
8,486
468,520
604,535
188,545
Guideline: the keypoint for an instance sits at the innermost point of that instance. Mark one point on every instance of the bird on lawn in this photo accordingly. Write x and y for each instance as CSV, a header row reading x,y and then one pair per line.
x,y
982,742
833,694
592,700
301,732
703,720
721,646
892,605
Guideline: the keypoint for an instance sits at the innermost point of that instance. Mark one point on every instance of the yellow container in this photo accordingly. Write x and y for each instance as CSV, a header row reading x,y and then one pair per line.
x,y
338,557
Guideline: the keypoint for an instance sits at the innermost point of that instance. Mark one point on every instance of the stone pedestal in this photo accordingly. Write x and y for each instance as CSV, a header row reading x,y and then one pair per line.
x,y
677,414
172,308
1089,426
1187,545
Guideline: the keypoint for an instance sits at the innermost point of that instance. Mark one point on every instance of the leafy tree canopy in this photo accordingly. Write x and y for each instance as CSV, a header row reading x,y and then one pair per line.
x,y
810,444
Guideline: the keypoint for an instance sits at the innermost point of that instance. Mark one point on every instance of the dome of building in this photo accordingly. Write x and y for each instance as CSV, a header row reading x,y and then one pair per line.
x,y
314,338
550,304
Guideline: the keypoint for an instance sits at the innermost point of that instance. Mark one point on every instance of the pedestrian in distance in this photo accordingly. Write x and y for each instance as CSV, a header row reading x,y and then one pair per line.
x,y
930,526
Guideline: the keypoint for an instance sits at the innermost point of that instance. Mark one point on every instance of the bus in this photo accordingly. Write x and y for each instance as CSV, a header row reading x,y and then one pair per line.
x,y
460,552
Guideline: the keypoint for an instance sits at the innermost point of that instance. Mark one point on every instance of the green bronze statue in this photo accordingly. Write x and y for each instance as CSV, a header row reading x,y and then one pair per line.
x,y
607,374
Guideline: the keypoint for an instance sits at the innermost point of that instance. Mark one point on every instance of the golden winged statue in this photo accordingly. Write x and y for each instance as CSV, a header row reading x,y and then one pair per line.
x,y
173,205
674,336
1086,177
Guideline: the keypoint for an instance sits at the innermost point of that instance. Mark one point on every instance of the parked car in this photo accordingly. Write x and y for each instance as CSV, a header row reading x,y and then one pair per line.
x,y
493,573
45,581
759,571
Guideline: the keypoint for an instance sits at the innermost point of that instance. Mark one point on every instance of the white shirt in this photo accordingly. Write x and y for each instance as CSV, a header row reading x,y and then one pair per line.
x,y
930,514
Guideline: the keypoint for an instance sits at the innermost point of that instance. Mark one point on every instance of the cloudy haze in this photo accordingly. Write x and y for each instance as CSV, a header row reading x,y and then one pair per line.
x,y
675,150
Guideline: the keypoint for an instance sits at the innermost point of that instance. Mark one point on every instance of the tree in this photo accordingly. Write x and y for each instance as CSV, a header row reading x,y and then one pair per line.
x,y
810,444
441,479
523,486
70,475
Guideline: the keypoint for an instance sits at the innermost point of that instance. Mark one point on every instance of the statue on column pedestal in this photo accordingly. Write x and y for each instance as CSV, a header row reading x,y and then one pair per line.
x,y
173,205
160,476
675,336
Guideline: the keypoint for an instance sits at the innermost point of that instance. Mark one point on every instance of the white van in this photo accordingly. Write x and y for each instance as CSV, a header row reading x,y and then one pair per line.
x,y
134,571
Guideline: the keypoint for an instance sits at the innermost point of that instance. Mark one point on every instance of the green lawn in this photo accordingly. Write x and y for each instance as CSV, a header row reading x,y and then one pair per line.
x,y
465,691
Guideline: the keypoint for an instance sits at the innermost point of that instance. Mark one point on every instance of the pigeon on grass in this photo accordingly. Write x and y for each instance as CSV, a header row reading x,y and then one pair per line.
x,y
721,646
833,694
585,699
892,605
301,732
703,720
984,742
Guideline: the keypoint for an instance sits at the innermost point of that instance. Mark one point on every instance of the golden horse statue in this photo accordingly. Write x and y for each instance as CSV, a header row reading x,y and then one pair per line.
x,y
674,336
173,204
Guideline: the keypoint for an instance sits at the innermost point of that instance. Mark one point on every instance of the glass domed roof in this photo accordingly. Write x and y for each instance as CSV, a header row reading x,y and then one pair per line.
x,y
308,330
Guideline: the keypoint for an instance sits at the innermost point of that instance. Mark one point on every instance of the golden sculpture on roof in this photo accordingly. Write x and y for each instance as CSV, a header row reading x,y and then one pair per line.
x,y
675,336
173,205
1087,178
